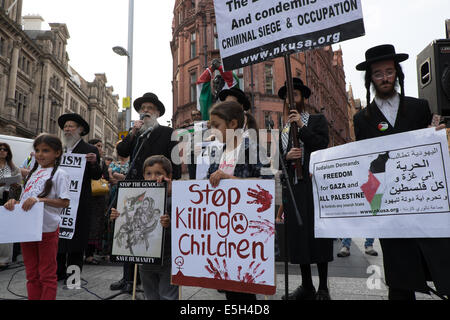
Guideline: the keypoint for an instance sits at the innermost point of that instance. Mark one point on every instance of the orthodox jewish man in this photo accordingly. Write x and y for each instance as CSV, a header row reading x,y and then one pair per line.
x,y
408,263
303,248
71,252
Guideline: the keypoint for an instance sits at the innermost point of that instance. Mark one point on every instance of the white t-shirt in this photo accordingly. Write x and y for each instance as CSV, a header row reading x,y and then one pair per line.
x,y
229,160
60,190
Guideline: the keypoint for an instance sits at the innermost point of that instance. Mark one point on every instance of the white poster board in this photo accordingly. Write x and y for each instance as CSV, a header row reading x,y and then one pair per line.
x,y
388,187
21,226
74,165
223,238
252,31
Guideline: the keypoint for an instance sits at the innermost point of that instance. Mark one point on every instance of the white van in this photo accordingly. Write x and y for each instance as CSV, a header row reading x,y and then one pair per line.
x,y
20,147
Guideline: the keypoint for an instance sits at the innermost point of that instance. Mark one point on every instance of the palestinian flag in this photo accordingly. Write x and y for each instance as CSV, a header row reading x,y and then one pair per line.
x,y
374,187
204,90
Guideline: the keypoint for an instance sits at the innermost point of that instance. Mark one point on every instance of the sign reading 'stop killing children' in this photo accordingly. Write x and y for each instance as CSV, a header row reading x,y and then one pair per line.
x,y
252,31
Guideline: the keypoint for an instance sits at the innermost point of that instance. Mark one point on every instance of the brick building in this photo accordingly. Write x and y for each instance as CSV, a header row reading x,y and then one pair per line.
x,y
195,44
37,84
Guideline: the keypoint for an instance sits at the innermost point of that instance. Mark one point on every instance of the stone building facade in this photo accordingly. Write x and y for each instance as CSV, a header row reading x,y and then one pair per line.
x,y
37,84
195,44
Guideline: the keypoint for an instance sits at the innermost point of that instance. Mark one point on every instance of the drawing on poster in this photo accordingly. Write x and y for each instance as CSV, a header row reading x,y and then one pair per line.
x,y
137,230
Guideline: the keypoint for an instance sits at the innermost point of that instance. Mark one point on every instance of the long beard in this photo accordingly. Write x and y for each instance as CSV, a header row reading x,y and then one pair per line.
x,y
69,139
150,121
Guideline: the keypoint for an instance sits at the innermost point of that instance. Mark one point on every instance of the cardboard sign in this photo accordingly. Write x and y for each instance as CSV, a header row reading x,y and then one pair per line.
x,y
223,238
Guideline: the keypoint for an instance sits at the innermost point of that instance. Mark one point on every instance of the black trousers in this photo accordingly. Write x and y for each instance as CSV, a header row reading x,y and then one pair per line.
x,y
401,294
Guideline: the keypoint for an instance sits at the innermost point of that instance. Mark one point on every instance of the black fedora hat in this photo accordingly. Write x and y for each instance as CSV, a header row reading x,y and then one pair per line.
x,y
239,94
76,118
149,97
380,53
298,84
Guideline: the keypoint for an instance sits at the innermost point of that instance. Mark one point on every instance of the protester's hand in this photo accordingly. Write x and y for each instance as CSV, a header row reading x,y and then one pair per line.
x,y
215,64
278,220
294,153
160,179
9,205
137,126
441,127
165,221
114,214
294,116
215,178
91,157
29,203
198,150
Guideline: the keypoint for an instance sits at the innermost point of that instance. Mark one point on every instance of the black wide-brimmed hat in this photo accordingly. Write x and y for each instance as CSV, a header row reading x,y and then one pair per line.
x,y
76,118
380,53
298,84
149,97
239,94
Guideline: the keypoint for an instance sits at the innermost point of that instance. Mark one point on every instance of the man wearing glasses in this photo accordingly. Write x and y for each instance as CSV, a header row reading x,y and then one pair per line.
x,y
408,263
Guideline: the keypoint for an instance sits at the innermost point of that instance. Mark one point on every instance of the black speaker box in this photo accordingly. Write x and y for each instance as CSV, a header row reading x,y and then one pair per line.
x,y
433,76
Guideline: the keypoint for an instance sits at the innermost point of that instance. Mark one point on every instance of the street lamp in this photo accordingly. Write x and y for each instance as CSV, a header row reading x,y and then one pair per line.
x,y
129,54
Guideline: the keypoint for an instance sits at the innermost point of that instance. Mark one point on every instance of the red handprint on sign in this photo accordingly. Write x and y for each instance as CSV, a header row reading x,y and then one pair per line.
x,y
251,275
264,226
262,197
216,270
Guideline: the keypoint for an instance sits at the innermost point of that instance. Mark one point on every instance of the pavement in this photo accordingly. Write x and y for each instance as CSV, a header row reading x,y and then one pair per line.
x,y
357,277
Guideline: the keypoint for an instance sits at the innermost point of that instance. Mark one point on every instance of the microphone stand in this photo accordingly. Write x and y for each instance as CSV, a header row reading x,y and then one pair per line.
x,y
140,143
287,183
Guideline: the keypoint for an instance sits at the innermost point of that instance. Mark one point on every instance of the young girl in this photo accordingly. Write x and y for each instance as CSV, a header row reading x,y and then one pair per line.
x,y
235,160
45,183
156,279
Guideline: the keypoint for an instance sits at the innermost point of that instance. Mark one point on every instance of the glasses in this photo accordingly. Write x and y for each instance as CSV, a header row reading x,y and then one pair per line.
x,y
3,149
380,75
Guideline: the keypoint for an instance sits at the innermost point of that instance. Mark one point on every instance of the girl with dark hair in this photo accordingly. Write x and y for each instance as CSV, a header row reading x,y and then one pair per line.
x,y
48,184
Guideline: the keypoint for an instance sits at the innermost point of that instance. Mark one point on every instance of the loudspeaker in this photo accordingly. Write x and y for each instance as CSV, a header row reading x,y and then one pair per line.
x,y
433,76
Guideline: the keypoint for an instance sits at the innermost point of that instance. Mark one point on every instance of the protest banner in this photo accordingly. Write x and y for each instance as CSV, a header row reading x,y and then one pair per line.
x,y
389,187
252,31
138,234
73,164
223,238
21,226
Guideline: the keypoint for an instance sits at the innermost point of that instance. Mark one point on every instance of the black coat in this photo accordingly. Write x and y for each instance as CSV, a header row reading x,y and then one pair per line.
x,y
408,263
82,226
158,143
304,248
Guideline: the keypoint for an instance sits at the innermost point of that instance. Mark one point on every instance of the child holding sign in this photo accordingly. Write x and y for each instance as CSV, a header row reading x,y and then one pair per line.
x,y
156,279
45,183
235,160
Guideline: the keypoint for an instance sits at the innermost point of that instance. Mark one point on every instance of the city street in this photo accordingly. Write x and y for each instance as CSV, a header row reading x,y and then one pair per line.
x,y
348,280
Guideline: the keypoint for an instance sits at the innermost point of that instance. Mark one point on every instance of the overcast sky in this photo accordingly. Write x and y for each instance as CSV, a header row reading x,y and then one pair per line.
x,y
96,26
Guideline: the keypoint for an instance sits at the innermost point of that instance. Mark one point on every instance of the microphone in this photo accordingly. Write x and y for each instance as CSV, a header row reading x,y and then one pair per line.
x,y
146,132
142,116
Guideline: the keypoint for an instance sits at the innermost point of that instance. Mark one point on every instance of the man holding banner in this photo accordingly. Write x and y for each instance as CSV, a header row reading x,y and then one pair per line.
x,y
408,262
71,251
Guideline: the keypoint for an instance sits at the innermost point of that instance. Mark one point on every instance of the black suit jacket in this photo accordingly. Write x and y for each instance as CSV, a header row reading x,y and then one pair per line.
x,y
408,263
159,142
413,114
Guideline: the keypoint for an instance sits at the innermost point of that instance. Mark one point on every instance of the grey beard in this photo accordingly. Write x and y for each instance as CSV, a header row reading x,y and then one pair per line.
x,y
69,141
147,124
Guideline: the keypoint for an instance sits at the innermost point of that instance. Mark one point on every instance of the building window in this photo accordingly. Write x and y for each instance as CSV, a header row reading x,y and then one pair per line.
x,y
22,104
193,93
53,116
193,46
83,113
1,46
268,84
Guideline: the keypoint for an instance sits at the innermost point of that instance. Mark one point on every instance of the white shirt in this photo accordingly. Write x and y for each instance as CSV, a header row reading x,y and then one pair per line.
x,y
389,107
229,160
60,190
